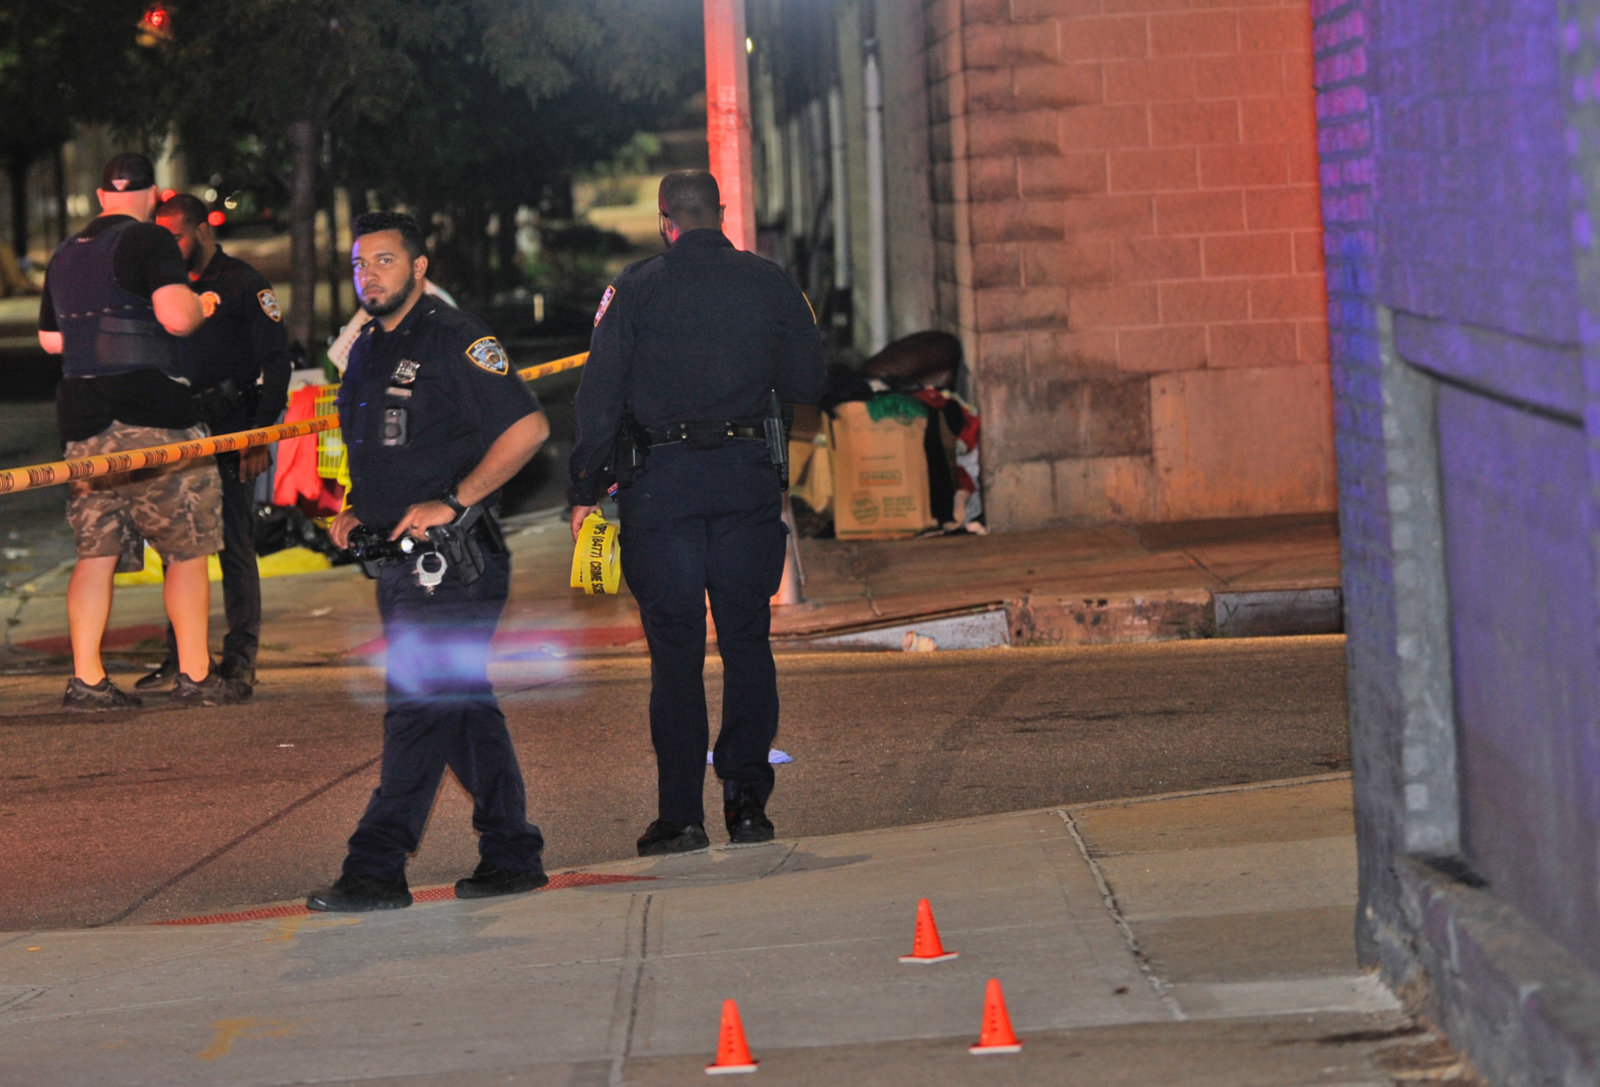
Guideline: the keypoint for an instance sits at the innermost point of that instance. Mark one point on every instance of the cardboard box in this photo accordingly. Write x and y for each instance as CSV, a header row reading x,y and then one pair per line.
x,y
880,476
811,472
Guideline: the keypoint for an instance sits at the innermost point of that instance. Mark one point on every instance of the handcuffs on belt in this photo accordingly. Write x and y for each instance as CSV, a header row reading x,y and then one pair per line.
x,y
464,543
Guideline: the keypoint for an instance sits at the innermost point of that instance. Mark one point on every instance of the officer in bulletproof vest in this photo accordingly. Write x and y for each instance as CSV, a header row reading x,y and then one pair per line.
x,y
116,299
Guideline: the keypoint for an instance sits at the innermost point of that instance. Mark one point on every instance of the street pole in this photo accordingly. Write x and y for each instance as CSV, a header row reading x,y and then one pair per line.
x,y
728,118
728,139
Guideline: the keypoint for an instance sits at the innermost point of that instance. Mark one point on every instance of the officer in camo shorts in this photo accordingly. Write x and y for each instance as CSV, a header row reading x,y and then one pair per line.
x,y
115,297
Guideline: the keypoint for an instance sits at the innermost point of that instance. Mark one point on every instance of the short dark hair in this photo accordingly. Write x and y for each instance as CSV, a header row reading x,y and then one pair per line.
x,y
187,206
691,198
372,222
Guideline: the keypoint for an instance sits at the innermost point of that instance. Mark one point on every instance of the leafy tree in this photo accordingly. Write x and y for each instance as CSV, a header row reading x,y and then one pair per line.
x,y
254,87
61,64
464,108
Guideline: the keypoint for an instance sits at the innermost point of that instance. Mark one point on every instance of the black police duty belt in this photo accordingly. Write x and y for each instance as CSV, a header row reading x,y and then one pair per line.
x,y
463,544
704,435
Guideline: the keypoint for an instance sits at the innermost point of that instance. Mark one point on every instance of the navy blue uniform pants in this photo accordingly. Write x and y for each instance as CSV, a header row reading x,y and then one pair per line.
x,y
698,523
241,579
442,712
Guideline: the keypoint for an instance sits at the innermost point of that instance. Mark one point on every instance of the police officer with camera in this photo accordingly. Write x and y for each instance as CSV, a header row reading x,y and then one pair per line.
x,y
689,352
435,420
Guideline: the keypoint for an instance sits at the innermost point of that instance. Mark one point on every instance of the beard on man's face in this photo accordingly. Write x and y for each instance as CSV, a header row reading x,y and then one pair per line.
x,y
391,303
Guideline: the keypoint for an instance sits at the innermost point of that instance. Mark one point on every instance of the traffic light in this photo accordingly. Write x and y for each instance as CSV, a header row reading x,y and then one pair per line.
x,y
155,28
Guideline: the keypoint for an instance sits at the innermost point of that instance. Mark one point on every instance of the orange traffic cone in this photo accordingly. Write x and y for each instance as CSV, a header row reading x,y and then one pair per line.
x,y
733,1055
925,946
996,1036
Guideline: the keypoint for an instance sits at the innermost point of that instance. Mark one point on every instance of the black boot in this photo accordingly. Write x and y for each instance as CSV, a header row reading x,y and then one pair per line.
x,y
490,879
664,836
162,677
359,894
746,814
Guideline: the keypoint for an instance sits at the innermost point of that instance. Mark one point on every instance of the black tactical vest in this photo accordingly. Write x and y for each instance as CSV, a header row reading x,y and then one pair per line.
x,y
104,328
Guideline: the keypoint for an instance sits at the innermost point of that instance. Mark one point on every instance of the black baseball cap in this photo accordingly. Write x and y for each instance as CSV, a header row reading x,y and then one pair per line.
x,y
128,172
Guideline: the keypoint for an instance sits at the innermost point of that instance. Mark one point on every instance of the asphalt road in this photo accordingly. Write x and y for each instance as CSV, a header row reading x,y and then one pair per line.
x,y
171,813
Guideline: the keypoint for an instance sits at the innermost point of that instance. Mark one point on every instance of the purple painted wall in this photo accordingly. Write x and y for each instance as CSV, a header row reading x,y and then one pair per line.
x,y
1459,144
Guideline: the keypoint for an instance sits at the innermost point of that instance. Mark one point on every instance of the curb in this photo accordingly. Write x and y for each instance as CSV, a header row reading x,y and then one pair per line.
x,y
1016,623
1060,620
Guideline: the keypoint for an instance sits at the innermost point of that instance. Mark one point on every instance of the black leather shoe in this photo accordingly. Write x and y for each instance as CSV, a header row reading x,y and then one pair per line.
x,y
664,836
161,678
242,674
747,817
488,880
359,894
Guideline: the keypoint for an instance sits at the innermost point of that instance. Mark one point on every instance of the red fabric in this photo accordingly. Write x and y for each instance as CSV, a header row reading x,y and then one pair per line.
x,y
966,436
296,482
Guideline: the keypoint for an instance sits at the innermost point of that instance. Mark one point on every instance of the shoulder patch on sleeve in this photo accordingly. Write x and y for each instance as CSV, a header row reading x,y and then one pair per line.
x,y
605,300
269,304
487,354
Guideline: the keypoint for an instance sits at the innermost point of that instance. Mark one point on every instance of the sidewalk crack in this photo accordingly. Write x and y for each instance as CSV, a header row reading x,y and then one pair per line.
x,y
858,570
625,1012
1108,897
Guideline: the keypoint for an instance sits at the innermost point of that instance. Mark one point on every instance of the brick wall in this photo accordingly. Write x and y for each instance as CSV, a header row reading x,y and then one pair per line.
x,y
1129,243
1350,232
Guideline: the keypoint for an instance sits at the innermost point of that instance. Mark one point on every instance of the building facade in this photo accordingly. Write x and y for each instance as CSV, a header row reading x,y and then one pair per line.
x,y
1113,203
1461,183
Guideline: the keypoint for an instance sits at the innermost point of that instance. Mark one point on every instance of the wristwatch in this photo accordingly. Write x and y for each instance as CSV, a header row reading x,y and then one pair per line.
x,y
454,503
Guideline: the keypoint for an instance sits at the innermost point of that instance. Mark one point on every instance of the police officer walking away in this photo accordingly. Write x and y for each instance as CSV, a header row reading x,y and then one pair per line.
x,y
435,420
116,298
239,361
688,350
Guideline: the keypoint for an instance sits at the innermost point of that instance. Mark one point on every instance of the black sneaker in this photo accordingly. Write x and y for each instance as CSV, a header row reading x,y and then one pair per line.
x,y
211,691
237,670
162,677
746,815
360,894
488,880
664,836
82,697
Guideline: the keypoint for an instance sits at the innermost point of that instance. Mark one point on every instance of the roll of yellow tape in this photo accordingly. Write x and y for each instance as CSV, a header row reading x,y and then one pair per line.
x,y
597,558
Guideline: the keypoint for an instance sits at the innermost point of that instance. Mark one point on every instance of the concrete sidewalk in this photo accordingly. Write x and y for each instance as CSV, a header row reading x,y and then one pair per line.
x,y
1200,939
1258,576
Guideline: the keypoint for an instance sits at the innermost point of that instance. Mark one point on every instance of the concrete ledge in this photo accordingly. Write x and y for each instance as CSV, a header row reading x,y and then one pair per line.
x,y
1514,1001
1099,620
1279,612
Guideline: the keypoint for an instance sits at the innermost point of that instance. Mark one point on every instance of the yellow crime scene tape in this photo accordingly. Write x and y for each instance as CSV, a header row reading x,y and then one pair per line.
x,y
35,476
597,558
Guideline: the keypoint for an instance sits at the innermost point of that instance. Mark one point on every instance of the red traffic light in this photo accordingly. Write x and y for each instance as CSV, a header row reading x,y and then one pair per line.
x,y
156,25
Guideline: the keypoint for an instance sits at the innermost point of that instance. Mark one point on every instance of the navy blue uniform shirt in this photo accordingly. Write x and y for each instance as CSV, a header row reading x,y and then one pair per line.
x,y
243,341
419,407
700,333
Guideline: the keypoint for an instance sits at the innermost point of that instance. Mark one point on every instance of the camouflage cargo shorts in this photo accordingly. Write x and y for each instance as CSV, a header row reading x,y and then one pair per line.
x,y
176,507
